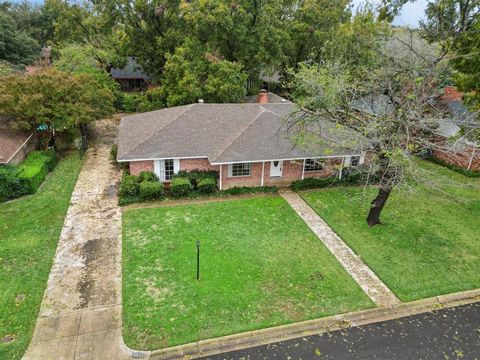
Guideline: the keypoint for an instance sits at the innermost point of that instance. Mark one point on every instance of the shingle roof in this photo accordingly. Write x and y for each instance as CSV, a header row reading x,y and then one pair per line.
x,y
224,133
11,141
131,71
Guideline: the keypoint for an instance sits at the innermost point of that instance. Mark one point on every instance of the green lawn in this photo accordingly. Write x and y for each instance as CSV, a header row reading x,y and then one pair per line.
x,y
260,266
30,229
430,242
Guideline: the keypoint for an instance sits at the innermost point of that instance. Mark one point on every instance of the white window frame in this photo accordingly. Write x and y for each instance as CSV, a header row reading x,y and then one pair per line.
x,y
230,170
159,168
320,162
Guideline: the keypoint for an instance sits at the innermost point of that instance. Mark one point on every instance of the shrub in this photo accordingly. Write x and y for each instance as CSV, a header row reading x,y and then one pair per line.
x,y
129,186
147,176
32,171
150,190
10,185
196,175
312,183
114,152
207,186
130,102
250,190
180,187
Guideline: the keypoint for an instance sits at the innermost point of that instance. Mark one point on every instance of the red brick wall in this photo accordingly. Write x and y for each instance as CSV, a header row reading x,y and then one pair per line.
x,y
252,180
197,164
136,167
461,158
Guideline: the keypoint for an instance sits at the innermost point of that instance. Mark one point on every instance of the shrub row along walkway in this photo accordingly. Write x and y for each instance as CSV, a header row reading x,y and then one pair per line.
x,y
380,294
80,315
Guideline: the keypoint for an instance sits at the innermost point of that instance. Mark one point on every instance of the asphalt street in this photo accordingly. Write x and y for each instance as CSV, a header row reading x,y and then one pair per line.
x,y
446,334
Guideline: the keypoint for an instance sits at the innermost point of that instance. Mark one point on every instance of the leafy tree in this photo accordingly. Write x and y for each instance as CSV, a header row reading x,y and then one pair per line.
x,y
16,46
53,99
192,73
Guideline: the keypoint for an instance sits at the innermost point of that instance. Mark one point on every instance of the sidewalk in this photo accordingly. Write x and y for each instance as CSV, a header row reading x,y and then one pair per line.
x,y
380,294
80,315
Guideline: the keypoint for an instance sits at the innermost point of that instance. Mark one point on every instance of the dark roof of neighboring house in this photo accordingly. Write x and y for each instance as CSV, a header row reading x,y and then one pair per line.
x,y
131,71
226,133
11,141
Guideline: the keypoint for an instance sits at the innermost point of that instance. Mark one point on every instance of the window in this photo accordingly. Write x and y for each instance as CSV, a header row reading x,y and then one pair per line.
x,y
166,168
354,160
312,165
239,169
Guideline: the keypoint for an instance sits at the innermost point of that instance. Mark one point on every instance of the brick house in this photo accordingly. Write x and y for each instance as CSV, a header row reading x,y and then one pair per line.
x,y
247,144
459,152
14,144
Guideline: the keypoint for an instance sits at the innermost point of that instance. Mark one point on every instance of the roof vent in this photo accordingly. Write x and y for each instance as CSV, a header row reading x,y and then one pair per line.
x,y
200,101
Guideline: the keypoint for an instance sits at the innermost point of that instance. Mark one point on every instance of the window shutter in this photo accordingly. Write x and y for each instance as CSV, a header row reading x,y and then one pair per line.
x,y
229,170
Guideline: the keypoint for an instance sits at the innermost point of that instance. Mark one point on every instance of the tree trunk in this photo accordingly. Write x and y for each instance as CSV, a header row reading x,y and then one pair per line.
x,y
377,205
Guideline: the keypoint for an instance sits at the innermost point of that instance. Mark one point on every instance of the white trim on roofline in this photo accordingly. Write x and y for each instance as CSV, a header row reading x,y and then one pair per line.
x,y
166,158
16,152
242,161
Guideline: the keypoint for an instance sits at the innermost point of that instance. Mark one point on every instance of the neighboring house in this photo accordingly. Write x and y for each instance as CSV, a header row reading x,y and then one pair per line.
x,y
14,144
131,77
248,144
458,151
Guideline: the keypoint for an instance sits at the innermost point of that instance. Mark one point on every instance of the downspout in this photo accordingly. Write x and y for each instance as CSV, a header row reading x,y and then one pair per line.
x,y
303,169
263,172
220,183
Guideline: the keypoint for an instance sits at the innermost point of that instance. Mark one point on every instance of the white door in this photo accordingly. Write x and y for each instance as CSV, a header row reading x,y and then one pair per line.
x,y
276,169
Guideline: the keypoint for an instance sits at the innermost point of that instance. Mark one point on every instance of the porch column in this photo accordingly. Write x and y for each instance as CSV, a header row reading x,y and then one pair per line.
x,y
341,168
303,169
220,183
263,172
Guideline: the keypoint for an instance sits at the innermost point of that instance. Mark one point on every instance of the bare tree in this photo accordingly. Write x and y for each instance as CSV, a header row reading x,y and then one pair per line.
x,y
396,108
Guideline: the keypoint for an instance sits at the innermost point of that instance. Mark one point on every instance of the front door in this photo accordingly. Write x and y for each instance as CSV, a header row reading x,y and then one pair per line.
x,y
276,169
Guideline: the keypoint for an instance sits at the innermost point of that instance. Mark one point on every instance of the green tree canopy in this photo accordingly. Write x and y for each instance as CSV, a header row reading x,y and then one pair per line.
x,y
54,99
191,73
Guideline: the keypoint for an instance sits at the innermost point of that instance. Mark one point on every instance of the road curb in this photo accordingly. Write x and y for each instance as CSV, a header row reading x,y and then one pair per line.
x,y
305,328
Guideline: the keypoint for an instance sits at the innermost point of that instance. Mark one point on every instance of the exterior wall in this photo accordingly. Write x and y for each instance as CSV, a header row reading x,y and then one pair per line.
x,y
292,170
469,156
136,167
197,164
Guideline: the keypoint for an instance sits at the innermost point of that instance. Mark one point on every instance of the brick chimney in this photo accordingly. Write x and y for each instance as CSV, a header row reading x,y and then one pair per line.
x,y
262,97
450,93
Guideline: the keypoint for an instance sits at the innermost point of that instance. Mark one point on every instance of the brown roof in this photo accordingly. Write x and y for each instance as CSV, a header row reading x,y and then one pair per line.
x,y
11,141
225,133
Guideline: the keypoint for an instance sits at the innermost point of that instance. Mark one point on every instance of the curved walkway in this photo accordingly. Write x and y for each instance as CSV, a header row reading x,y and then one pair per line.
x,y
80,315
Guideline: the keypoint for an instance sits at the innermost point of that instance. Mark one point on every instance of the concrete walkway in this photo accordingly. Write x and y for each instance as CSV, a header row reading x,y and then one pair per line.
x,y
80,315
380,294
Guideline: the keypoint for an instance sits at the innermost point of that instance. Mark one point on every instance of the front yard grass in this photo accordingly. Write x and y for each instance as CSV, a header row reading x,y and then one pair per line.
x,y
29,231
261,266
430,241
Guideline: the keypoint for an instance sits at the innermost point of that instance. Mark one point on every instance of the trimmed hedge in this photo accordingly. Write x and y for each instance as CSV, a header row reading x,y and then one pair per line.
x,y
458,169
147,176
10,185
195,176
180,187
207,186
129,186
32,171
151,190
312,183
